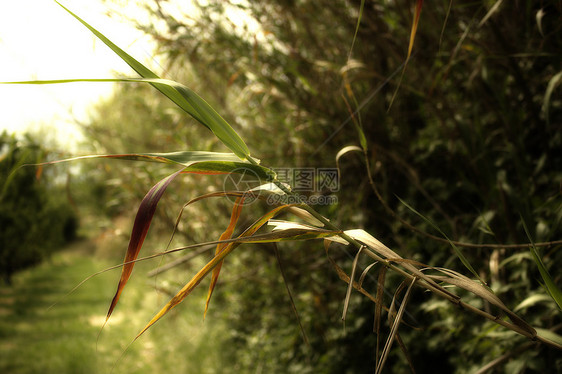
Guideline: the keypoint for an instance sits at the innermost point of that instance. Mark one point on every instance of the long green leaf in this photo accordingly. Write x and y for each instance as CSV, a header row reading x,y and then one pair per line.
x,y
554,81
196,162
361,7
226,167
187,158
551,287
395,324
550,335
182,96
185,98
350,285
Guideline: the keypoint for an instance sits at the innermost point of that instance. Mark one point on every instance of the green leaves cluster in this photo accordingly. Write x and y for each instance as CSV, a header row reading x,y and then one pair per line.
x,y
35,217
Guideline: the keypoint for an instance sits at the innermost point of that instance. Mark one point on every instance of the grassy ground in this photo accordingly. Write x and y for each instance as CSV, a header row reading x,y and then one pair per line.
x,y
62,339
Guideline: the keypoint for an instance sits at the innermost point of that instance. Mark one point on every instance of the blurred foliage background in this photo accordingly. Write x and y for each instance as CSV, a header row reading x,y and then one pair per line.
x,y
472,141
36,218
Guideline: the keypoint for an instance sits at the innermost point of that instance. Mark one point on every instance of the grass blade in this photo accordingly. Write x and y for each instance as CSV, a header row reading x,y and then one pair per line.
x,y
140,229
365,272
185,98
394,329
246,237
378,306
490,12
195,162
350,285
227,167
361,7
414,29
306,216
382,250
187,158
344,150
288,235
227,234
554,81
551,287
550,335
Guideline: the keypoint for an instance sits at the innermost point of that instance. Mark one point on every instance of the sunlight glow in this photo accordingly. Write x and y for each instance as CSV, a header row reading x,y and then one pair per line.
x,y
39,41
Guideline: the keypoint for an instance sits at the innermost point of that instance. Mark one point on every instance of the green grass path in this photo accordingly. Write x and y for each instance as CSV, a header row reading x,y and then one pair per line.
x,y
62,339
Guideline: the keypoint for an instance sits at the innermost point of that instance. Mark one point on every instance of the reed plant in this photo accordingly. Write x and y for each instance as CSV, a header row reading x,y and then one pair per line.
x,y
396,275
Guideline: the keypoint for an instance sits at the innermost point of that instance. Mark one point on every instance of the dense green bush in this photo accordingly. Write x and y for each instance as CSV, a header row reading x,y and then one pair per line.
x,y
467,142
35,216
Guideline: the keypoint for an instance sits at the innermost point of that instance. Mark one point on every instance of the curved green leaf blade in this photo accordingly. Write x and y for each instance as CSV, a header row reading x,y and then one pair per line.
x,y
195,162
189,157
182,96
225,167
550,335
551,287
552,84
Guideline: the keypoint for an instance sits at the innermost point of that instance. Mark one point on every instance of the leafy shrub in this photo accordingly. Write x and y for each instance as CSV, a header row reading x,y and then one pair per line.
x,y
34,219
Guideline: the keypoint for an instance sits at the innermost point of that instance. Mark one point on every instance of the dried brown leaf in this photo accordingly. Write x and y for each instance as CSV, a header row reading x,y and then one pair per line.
x,y
140,229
